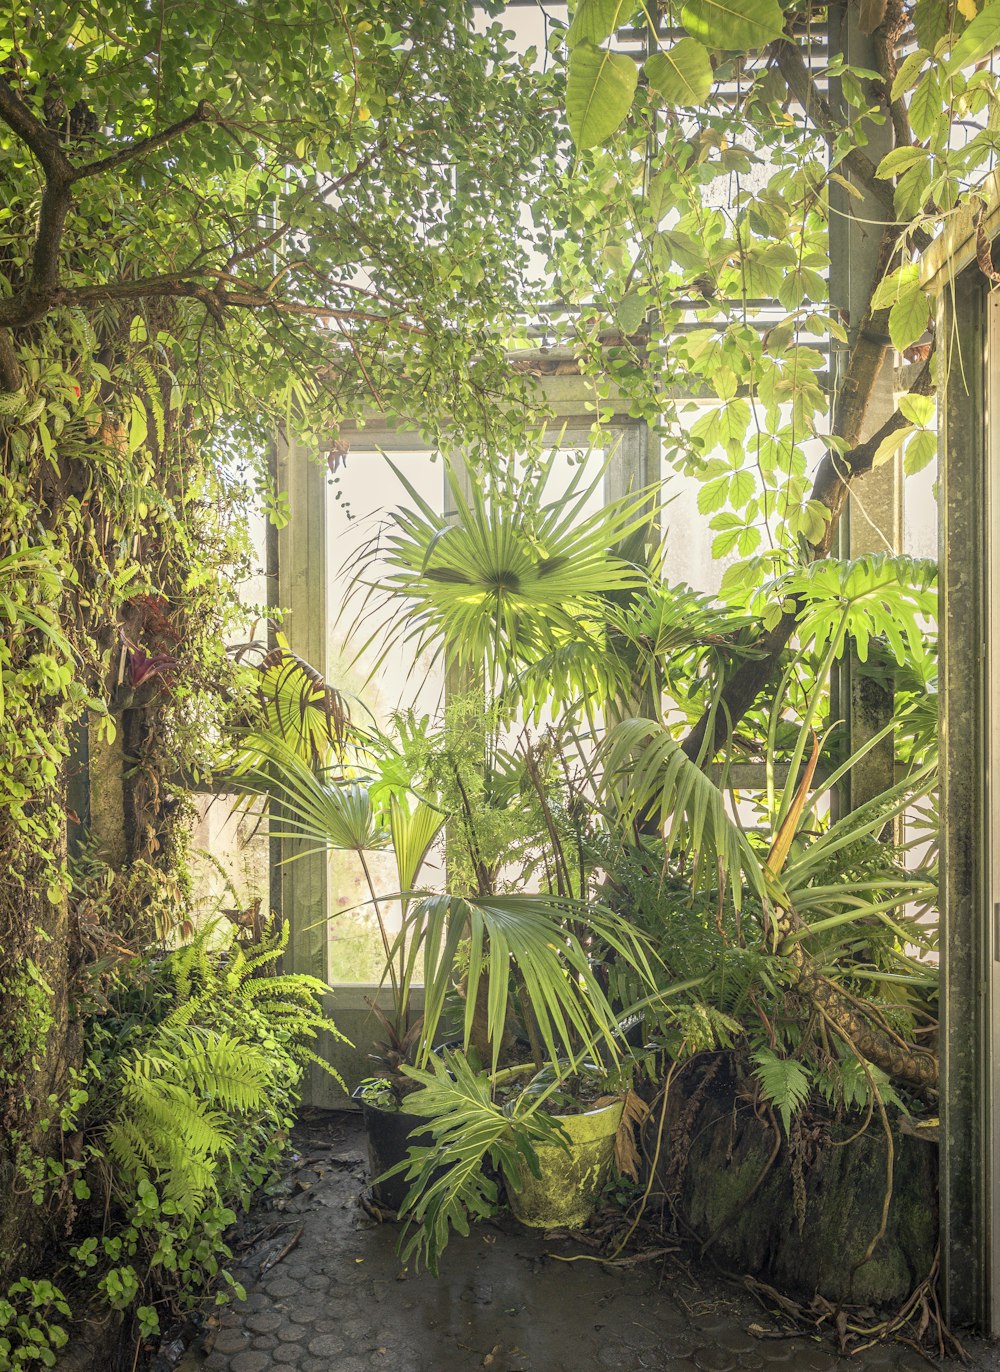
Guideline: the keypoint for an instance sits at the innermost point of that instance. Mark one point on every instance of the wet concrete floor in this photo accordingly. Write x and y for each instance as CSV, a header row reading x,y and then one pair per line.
x,y
327,1293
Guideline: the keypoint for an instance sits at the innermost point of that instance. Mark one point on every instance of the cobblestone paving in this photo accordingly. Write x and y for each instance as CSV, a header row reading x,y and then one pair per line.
x,y
338,1301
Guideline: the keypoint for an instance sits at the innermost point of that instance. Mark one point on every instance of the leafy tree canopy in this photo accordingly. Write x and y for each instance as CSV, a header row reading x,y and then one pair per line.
x,y
328,196
710,168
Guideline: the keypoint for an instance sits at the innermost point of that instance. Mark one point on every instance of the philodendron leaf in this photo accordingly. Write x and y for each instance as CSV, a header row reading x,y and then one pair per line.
x,y
733,25
599,90
682,74
594,20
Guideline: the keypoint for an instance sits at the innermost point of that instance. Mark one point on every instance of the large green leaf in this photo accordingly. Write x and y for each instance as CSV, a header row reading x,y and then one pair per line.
x,y
326,813
682,74
594,20
413,833
599,90
501,583
648,776
733,25
533,933
449,1184
908,318
980,39
311,716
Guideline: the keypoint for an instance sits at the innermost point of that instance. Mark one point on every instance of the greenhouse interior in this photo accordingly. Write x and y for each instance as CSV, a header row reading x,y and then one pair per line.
x,y
499,685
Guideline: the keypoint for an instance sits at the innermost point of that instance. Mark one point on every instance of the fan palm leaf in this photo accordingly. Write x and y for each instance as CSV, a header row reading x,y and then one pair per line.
x,y
647,775
322,811
299,706
499,582
532,933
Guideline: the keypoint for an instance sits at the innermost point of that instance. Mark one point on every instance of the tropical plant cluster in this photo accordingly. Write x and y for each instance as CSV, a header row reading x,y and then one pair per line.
x,y
224,223
216,225
596,875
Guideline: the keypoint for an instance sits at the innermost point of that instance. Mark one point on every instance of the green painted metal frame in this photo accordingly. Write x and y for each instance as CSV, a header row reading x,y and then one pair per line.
x,y
965,1190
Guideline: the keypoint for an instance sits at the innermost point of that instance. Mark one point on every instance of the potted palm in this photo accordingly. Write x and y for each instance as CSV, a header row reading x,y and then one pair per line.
x,y
505,581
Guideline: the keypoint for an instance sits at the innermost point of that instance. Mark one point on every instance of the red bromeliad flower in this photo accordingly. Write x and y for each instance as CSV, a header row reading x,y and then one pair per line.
x,y
143,667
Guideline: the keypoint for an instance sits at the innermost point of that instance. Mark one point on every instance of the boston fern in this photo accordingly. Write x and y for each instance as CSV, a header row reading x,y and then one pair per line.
x,y
194,1076
226,1059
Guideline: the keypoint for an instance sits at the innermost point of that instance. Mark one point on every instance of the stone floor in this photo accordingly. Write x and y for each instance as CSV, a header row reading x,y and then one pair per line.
x,y
326,1293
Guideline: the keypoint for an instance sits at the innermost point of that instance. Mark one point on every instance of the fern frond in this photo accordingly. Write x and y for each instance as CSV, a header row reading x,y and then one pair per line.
x,y
784,1083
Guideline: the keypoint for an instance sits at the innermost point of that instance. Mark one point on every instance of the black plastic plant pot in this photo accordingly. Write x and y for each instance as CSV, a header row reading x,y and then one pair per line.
x,y
390,1133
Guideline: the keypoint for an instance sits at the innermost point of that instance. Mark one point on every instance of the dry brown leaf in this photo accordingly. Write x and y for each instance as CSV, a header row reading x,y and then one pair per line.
x,y
627,1157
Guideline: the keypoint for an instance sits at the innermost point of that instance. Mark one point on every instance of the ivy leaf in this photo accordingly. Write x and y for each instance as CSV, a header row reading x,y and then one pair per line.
x,y
980,39
138,428
599,90
891,287
743,486
713,495
908,317
594,21
733,25
682,74
931,18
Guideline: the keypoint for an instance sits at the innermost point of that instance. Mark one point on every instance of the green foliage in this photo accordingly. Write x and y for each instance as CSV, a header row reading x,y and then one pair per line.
x,y
298,705
191,1082
301,193
503,577
671,296
449,1184
538,937
29,1334
784,1083
648,777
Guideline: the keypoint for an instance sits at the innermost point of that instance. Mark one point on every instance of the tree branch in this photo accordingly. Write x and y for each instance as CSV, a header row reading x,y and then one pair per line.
x,y
32,299
179,286
10,366
41,140
792,66
204,113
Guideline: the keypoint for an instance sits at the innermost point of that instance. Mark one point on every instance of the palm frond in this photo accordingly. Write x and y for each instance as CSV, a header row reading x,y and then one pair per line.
x,y
321,809
498,583
648,777
531,933
299,707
